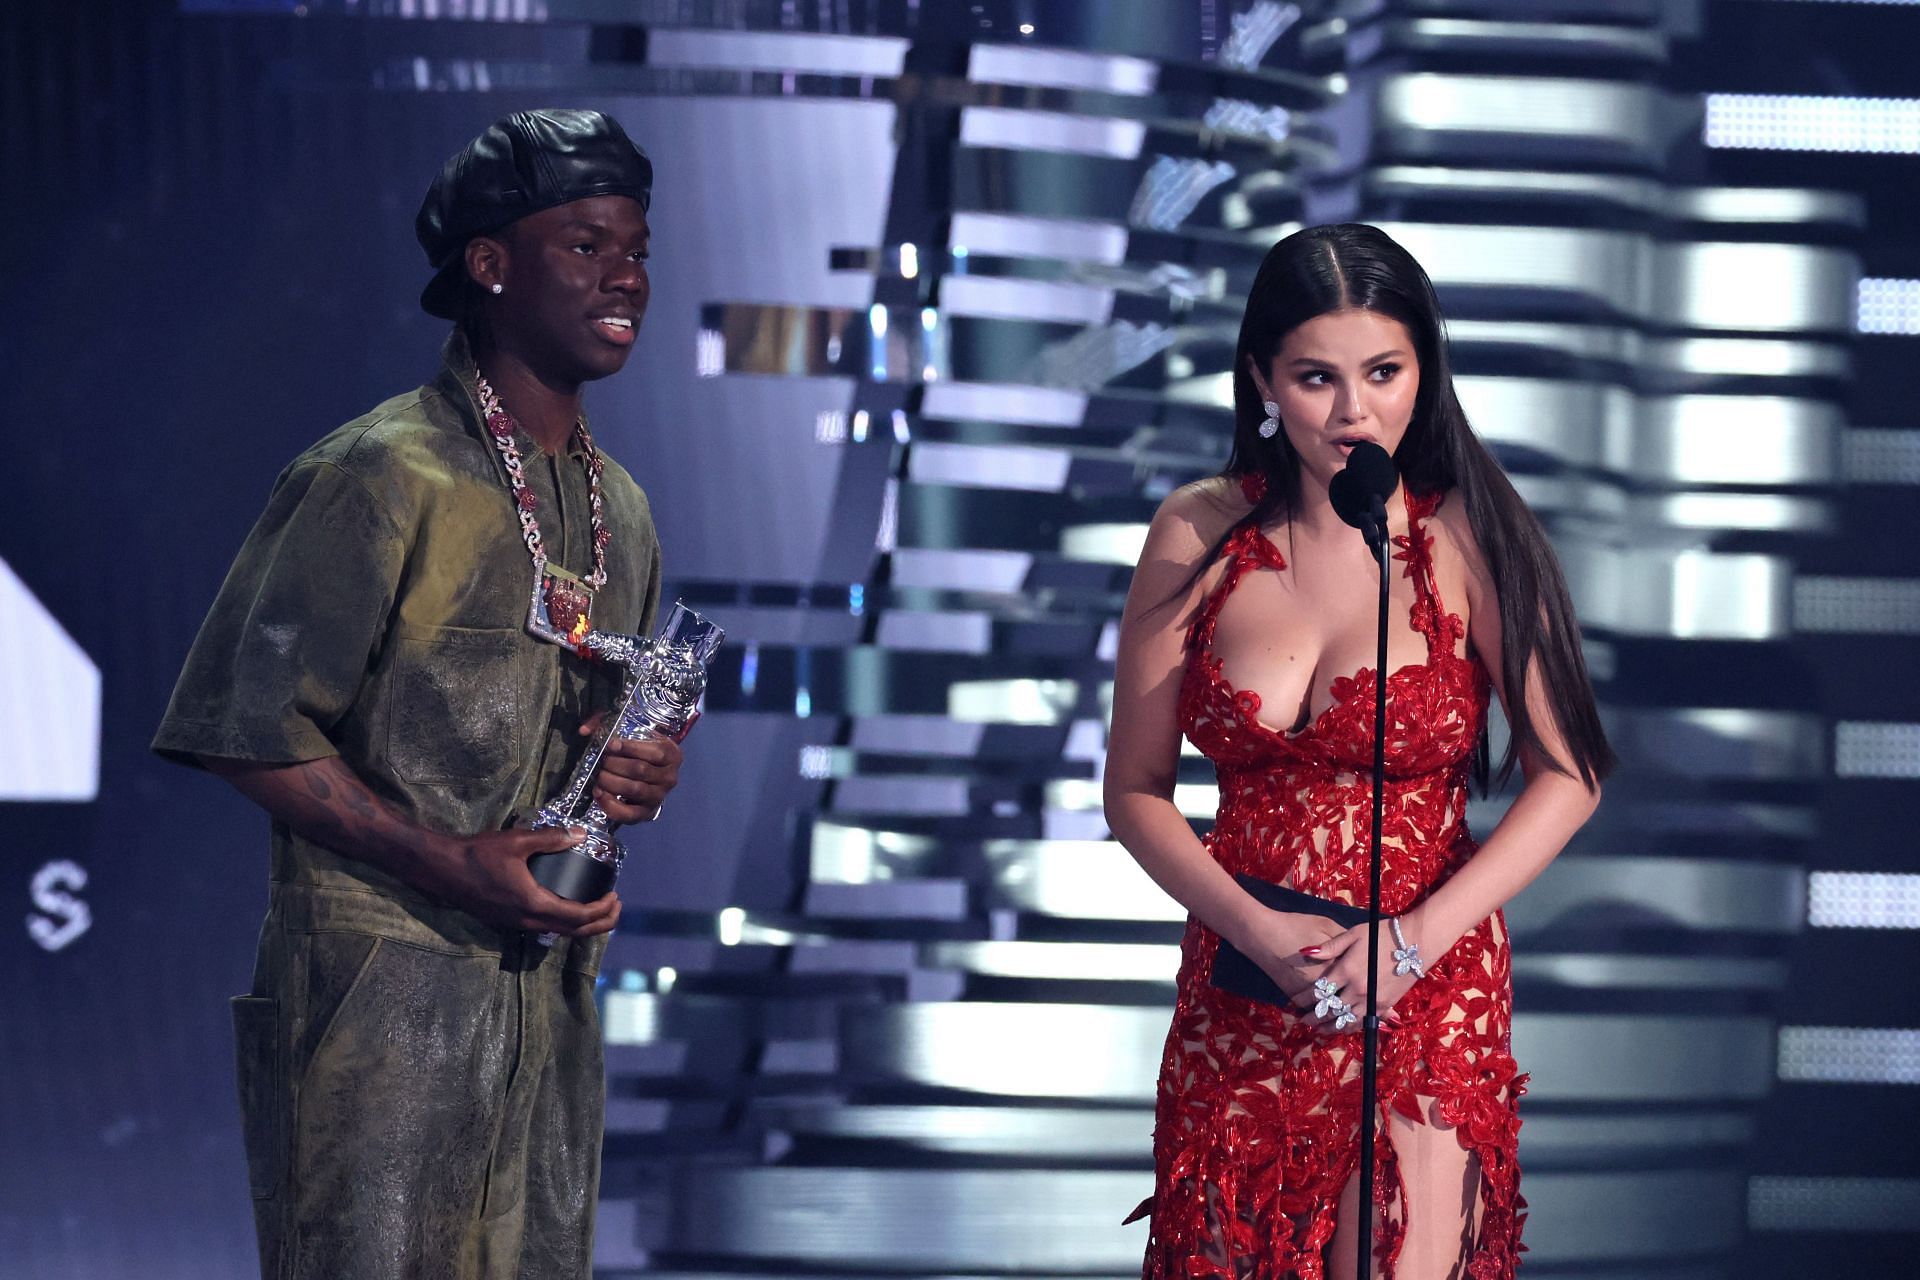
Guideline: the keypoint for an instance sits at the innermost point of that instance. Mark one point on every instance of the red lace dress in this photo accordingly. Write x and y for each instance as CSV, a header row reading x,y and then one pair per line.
x,y
1258,1118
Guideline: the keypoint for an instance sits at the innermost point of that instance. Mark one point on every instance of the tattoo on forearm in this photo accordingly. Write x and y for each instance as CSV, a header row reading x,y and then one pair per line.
x,y
320,788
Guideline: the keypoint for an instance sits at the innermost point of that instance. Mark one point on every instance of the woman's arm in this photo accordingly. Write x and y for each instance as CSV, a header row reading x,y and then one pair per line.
x,y
1143,747
1551,805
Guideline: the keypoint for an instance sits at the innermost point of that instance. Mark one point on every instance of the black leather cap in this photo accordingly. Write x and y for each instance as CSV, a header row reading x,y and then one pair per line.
x,y
529,161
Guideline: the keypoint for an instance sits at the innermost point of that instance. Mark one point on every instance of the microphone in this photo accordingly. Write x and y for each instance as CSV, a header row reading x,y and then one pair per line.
x,y
1359,491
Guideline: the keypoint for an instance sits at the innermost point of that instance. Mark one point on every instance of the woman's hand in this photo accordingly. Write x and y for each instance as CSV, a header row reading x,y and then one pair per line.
x,y
1342,960
1280,942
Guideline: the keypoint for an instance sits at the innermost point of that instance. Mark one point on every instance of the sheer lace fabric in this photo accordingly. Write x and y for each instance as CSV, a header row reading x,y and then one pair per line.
x,y
1258,1113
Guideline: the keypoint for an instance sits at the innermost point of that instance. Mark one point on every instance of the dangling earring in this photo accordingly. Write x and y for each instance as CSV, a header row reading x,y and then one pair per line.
x,y
1271,427
497,287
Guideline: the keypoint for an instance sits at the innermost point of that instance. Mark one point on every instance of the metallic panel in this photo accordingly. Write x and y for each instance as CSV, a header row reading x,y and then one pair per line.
x,y
1038,406
1112,1053
1076,879
1006,298
1608,268
1653,973
1018,236
1012,701
1419,110
1686,594
1749,287
1723,742
1067,1221
1767,287
1062,69
1577,423
805,51
990,466
1015,129
1683,893
1743,440
1754,205
1750,206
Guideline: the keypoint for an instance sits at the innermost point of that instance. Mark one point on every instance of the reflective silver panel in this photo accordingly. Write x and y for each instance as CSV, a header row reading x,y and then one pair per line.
x,y
1749,440
1778,287
1017,129
808,51
1723,742
1012,299
1017,236
1039,406
990,466
1418,110
1066,1221
1062,69
1685,594
1766,287
1684,893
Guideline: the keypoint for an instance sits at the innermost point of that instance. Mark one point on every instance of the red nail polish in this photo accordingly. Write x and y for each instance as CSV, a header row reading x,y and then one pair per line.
x,y
1309,951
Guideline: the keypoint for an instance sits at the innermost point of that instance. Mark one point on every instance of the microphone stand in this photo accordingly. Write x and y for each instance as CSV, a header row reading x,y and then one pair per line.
x,y
1374,527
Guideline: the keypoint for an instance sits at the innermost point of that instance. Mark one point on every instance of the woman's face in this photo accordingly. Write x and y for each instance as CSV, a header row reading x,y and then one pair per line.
x,y
1341,378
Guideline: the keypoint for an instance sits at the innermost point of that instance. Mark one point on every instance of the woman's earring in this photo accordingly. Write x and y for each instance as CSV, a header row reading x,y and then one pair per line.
x,y
1268,429
497,287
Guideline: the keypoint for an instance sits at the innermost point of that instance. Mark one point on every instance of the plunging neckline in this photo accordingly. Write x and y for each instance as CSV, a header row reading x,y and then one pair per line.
x,y
1250,547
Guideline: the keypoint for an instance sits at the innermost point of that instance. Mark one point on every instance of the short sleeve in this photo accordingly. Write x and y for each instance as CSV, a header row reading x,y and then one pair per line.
x,y
286,648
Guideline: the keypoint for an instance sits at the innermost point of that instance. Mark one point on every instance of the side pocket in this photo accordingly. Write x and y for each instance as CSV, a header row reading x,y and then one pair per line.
x,y
260,1068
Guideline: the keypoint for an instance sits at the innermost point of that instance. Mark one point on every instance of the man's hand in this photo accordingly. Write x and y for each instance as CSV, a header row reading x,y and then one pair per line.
x,y
487,876
635,774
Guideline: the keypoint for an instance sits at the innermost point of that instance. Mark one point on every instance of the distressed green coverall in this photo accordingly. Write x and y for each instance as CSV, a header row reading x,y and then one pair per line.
x,y
421,1093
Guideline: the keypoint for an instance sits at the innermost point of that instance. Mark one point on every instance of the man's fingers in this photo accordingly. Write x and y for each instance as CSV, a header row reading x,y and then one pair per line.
x,y
606,922
656,751
550,840
551,913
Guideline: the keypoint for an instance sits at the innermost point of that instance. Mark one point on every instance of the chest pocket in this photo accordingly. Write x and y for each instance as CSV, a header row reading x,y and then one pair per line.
x,y
458,706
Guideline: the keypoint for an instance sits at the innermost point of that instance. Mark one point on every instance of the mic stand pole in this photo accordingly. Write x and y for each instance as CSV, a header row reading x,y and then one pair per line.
x,y
1376,534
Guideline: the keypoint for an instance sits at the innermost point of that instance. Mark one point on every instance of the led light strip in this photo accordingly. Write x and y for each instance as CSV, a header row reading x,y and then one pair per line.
x,y
1876,750
1863,900
1850,1055
1781,122
1778,1203
1888,306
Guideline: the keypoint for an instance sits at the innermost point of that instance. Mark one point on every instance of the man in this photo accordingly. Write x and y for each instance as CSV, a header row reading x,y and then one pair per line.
x,y
421,1079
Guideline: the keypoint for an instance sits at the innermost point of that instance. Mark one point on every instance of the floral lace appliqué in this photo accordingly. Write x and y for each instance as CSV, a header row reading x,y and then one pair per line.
x,y
1258,1115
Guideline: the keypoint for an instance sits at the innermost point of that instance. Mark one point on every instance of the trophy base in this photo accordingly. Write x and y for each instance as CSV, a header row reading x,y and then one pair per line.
x,y
573,875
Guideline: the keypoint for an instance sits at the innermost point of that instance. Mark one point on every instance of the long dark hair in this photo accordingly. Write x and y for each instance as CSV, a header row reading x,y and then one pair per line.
x,y
1354,266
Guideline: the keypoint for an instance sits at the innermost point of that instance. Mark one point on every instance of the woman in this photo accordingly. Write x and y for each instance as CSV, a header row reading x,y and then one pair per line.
x,y
1249,627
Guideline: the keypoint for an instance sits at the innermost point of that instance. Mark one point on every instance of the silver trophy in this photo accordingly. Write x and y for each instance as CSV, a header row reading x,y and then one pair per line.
x,y
660,697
